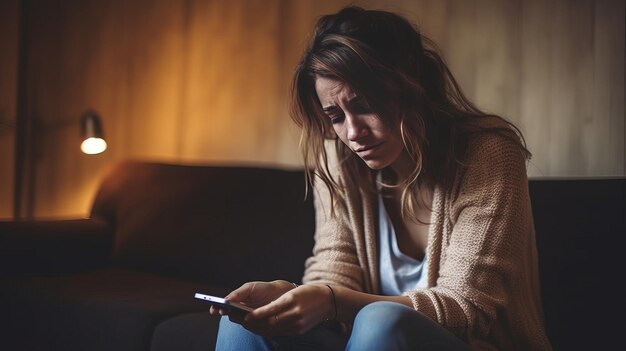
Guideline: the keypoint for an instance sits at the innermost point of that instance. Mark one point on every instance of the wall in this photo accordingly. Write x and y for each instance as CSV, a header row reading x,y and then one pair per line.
x,y
9,28
199,81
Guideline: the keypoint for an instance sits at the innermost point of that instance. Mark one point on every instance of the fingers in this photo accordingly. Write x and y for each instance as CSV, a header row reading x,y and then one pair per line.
x,y
257,294
285,316
273,325
215,311
280,317
277,311
271,309
292,312
269,319
242,293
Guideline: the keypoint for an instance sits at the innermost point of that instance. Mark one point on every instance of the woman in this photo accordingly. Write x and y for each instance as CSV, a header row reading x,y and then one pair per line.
x,y
424,236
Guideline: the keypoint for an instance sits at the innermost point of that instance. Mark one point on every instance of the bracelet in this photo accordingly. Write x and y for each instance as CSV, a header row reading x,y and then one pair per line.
x,y
332,293
294,285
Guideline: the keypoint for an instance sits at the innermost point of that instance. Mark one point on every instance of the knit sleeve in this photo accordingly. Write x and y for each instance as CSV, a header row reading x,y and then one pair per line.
x,y
334,259
487,225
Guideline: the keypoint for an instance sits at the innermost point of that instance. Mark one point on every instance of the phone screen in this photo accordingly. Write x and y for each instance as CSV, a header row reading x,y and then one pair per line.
x,y
219,301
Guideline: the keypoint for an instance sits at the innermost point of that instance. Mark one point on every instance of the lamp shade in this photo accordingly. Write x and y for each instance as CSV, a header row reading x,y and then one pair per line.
x,y
92,134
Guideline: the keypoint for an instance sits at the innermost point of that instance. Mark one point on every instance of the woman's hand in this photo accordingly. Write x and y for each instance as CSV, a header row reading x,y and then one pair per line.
x,y
254,294
293,313
282,309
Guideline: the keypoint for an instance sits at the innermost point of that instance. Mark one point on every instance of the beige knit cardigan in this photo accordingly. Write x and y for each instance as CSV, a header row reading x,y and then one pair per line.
x,y
482,260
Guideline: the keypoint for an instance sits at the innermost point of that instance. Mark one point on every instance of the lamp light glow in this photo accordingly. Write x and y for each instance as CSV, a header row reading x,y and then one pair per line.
x,y
93,137
93,146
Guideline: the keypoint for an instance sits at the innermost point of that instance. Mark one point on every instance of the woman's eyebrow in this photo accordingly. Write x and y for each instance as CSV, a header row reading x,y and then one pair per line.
x,y
357,100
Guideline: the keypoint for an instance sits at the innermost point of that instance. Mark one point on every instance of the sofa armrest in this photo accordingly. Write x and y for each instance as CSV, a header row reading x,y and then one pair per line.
x,y
53,247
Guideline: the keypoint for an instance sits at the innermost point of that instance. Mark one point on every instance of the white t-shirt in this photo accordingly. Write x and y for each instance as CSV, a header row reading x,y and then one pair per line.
x,y
398,272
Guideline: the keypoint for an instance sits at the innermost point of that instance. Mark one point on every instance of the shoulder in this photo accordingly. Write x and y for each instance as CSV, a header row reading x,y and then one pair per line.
x,y
494,164
497,149
490,146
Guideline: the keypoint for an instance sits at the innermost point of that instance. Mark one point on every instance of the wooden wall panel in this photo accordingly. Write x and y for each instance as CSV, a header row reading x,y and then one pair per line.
x,y
571,74
608,141
155,65
9,33
232,91
207,81
64,77
460,43
497,57
535,110
430,17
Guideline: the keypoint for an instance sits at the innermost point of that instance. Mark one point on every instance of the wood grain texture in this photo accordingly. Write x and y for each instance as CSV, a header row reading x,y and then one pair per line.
x,y
232,89
207,81
608,124
9,34
535,100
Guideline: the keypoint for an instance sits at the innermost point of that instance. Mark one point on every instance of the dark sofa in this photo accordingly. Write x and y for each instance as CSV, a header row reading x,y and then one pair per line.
x,y
124,278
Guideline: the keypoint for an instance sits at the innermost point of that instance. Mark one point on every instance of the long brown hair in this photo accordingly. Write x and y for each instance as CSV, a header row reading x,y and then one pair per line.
x,y
404,79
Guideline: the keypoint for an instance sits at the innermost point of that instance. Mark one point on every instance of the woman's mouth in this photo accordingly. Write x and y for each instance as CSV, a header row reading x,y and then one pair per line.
x,y
365,151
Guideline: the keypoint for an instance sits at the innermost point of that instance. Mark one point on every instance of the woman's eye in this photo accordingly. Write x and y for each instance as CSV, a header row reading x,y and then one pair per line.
x,y
336,118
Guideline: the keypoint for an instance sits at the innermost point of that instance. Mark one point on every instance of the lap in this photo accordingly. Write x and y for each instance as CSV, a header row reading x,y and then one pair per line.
x,y
378,326
232,336
393,326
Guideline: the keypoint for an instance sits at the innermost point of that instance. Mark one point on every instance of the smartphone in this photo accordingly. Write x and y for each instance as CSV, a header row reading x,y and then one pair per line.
x,y
220,302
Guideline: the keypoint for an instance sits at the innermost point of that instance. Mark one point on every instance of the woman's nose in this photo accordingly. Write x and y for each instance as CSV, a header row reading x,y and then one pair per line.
x,y
356,129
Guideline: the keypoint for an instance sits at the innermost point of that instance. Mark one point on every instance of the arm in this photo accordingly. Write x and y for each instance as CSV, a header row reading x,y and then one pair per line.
x,y
334,260
349,302
298,309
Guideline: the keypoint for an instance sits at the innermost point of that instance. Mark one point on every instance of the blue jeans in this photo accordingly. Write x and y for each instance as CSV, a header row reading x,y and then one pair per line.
x,y
378,326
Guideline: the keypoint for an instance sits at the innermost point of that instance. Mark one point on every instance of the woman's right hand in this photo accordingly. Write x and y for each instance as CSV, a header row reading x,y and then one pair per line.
x,y
255,294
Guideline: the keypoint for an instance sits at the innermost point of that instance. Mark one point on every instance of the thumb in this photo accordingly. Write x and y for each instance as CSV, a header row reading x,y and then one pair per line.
x,y
241,293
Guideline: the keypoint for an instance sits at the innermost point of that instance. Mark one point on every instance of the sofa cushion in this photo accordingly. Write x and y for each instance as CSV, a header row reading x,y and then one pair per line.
x,y
113,309
51,247
189,332
226,225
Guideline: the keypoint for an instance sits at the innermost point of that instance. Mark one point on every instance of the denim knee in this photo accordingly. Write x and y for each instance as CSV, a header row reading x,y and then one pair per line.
x,y
232,336
393,326
384,318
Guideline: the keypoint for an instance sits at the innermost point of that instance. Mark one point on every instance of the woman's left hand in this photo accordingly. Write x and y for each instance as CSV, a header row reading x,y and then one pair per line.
x,y
293,313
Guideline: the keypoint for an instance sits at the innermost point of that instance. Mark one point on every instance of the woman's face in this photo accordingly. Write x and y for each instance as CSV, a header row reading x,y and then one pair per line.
x,y
378,144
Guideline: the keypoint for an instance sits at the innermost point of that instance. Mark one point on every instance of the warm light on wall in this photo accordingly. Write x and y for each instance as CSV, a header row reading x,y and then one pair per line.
x,y
93,136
